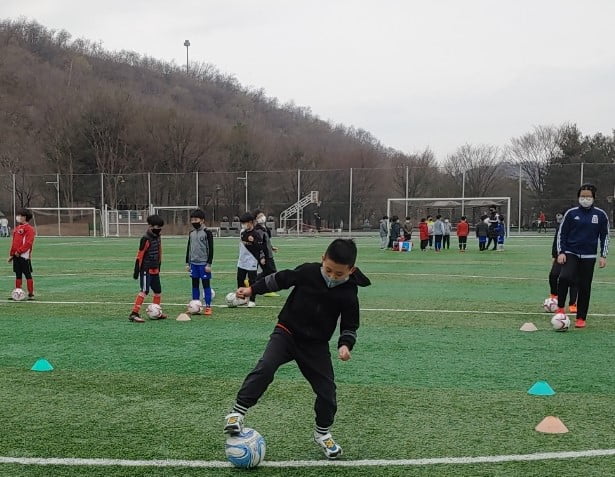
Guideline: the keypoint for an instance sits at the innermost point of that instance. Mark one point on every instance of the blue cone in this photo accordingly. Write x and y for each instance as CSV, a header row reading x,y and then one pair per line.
x,y
42,365
541,388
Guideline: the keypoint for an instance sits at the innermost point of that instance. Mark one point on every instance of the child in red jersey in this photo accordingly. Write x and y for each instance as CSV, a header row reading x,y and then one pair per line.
x,y
21,250
463,230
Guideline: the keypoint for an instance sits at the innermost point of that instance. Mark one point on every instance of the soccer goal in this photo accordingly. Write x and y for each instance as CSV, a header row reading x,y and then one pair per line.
x,y
177,219
448,207
124,223
66,221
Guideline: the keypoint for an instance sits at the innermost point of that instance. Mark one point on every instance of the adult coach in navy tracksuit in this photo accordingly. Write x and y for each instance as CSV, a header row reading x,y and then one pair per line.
x,y
580,232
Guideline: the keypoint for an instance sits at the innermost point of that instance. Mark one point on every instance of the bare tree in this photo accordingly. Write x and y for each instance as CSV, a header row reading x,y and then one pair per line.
x,y
106,123
421,169
480,165
535,153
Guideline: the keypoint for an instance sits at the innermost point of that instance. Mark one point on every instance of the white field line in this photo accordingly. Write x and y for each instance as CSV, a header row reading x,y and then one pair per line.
x,y
406,310
312,463
385,274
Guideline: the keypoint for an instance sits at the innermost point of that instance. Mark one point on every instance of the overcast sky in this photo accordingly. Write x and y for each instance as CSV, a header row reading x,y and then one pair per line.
x,y
436,73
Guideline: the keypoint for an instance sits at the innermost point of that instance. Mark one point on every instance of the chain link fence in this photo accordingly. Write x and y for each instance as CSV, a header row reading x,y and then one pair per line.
x,y
350,200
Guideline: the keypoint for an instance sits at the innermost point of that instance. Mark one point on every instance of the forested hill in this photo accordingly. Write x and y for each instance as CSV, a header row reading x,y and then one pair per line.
x,y
69,105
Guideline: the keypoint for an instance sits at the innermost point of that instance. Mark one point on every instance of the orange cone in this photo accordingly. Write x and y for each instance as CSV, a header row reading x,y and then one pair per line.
x,y
551,425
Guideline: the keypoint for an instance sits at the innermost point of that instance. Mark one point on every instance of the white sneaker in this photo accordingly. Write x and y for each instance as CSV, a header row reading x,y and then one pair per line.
x,y
233,423
328,445
251,304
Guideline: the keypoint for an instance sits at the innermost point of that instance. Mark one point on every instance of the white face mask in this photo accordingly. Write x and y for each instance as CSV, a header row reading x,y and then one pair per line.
x,y
586,202
332,282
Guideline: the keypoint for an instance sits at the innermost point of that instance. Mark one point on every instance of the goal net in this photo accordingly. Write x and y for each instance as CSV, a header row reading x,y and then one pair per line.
x,y
451,208
125,223
66,221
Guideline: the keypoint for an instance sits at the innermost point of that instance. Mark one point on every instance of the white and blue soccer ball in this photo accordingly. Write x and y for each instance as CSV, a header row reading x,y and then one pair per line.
x,y
245,450
550,304
560,322
233,301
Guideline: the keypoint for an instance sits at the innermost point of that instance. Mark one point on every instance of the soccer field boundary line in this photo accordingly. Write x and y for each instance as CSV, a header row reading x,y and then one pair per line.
x,y
385,274
395,310
213,464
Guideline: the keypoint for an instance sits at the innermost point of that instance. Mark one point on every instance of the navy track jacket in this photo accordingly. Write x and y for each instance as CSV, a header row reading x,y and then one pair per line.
x,y
582,230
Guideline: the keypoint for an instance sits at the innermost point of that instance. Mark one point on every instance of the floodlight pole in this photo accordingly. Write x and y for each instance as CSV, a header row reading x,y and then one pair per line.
x,y
463,192
217,191
407,176
14,200
350,206
245,178
187,44
196,178
299,220
56,183
519,219
150,206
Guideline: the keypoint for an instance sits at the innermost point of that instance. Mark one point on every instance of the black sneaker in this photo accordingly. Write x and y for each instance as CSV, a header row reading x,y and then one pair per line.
x,y
135,318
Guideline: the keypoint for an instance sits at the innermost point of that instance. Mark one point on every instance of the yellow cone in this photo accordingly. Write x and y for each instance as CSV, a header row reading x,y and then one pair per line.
x,y
551,425
528,327
183,317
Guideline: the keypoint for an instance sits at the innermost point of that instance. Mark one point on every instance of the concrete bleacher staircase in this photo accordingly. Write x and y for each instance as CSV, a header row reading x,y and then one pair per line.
x,y
295,212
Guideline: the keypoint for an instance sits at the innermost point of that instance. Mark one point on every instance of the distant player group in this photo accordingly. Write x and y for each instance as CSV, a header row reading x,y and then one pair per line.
x,y
436,233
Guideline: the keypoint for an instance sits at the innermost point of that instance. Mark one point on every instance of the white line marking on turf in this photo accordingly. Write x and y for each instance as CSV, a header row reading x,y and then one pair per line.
x,y
407,310
384,274
311,463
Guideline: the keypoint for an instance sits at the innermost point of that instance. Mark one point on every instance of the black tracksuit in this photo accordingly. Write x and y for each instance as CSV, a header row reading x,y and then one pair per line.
x,y
556,269
305,325
269,266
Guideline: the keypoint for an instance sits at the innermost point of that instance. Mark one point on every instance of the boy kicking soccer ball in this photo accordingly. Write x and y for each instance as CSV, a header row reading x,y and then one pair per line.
x,y
322,293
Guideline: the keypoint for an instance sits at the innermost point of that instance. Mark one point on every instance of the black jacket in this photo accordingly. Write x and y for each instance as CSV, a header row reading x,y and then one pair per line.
x,y
149,256
312,309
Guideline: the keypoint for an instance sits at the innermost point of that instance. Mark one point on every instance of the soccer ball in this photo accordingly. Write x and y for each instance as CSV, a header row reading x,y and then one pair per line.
x,y
18,294
233,301
195,306
550,304
154,310
245,450
560,322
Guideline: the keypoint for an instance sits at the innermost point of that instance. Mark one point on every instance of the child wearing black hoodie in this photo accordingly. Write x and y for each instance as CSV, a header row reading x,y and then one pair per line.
x,y
322,293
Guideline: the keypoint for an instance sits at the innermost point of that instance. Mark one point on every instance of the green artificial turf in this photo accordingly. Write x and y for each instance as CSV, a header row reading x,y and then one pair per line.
x,y
440,368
